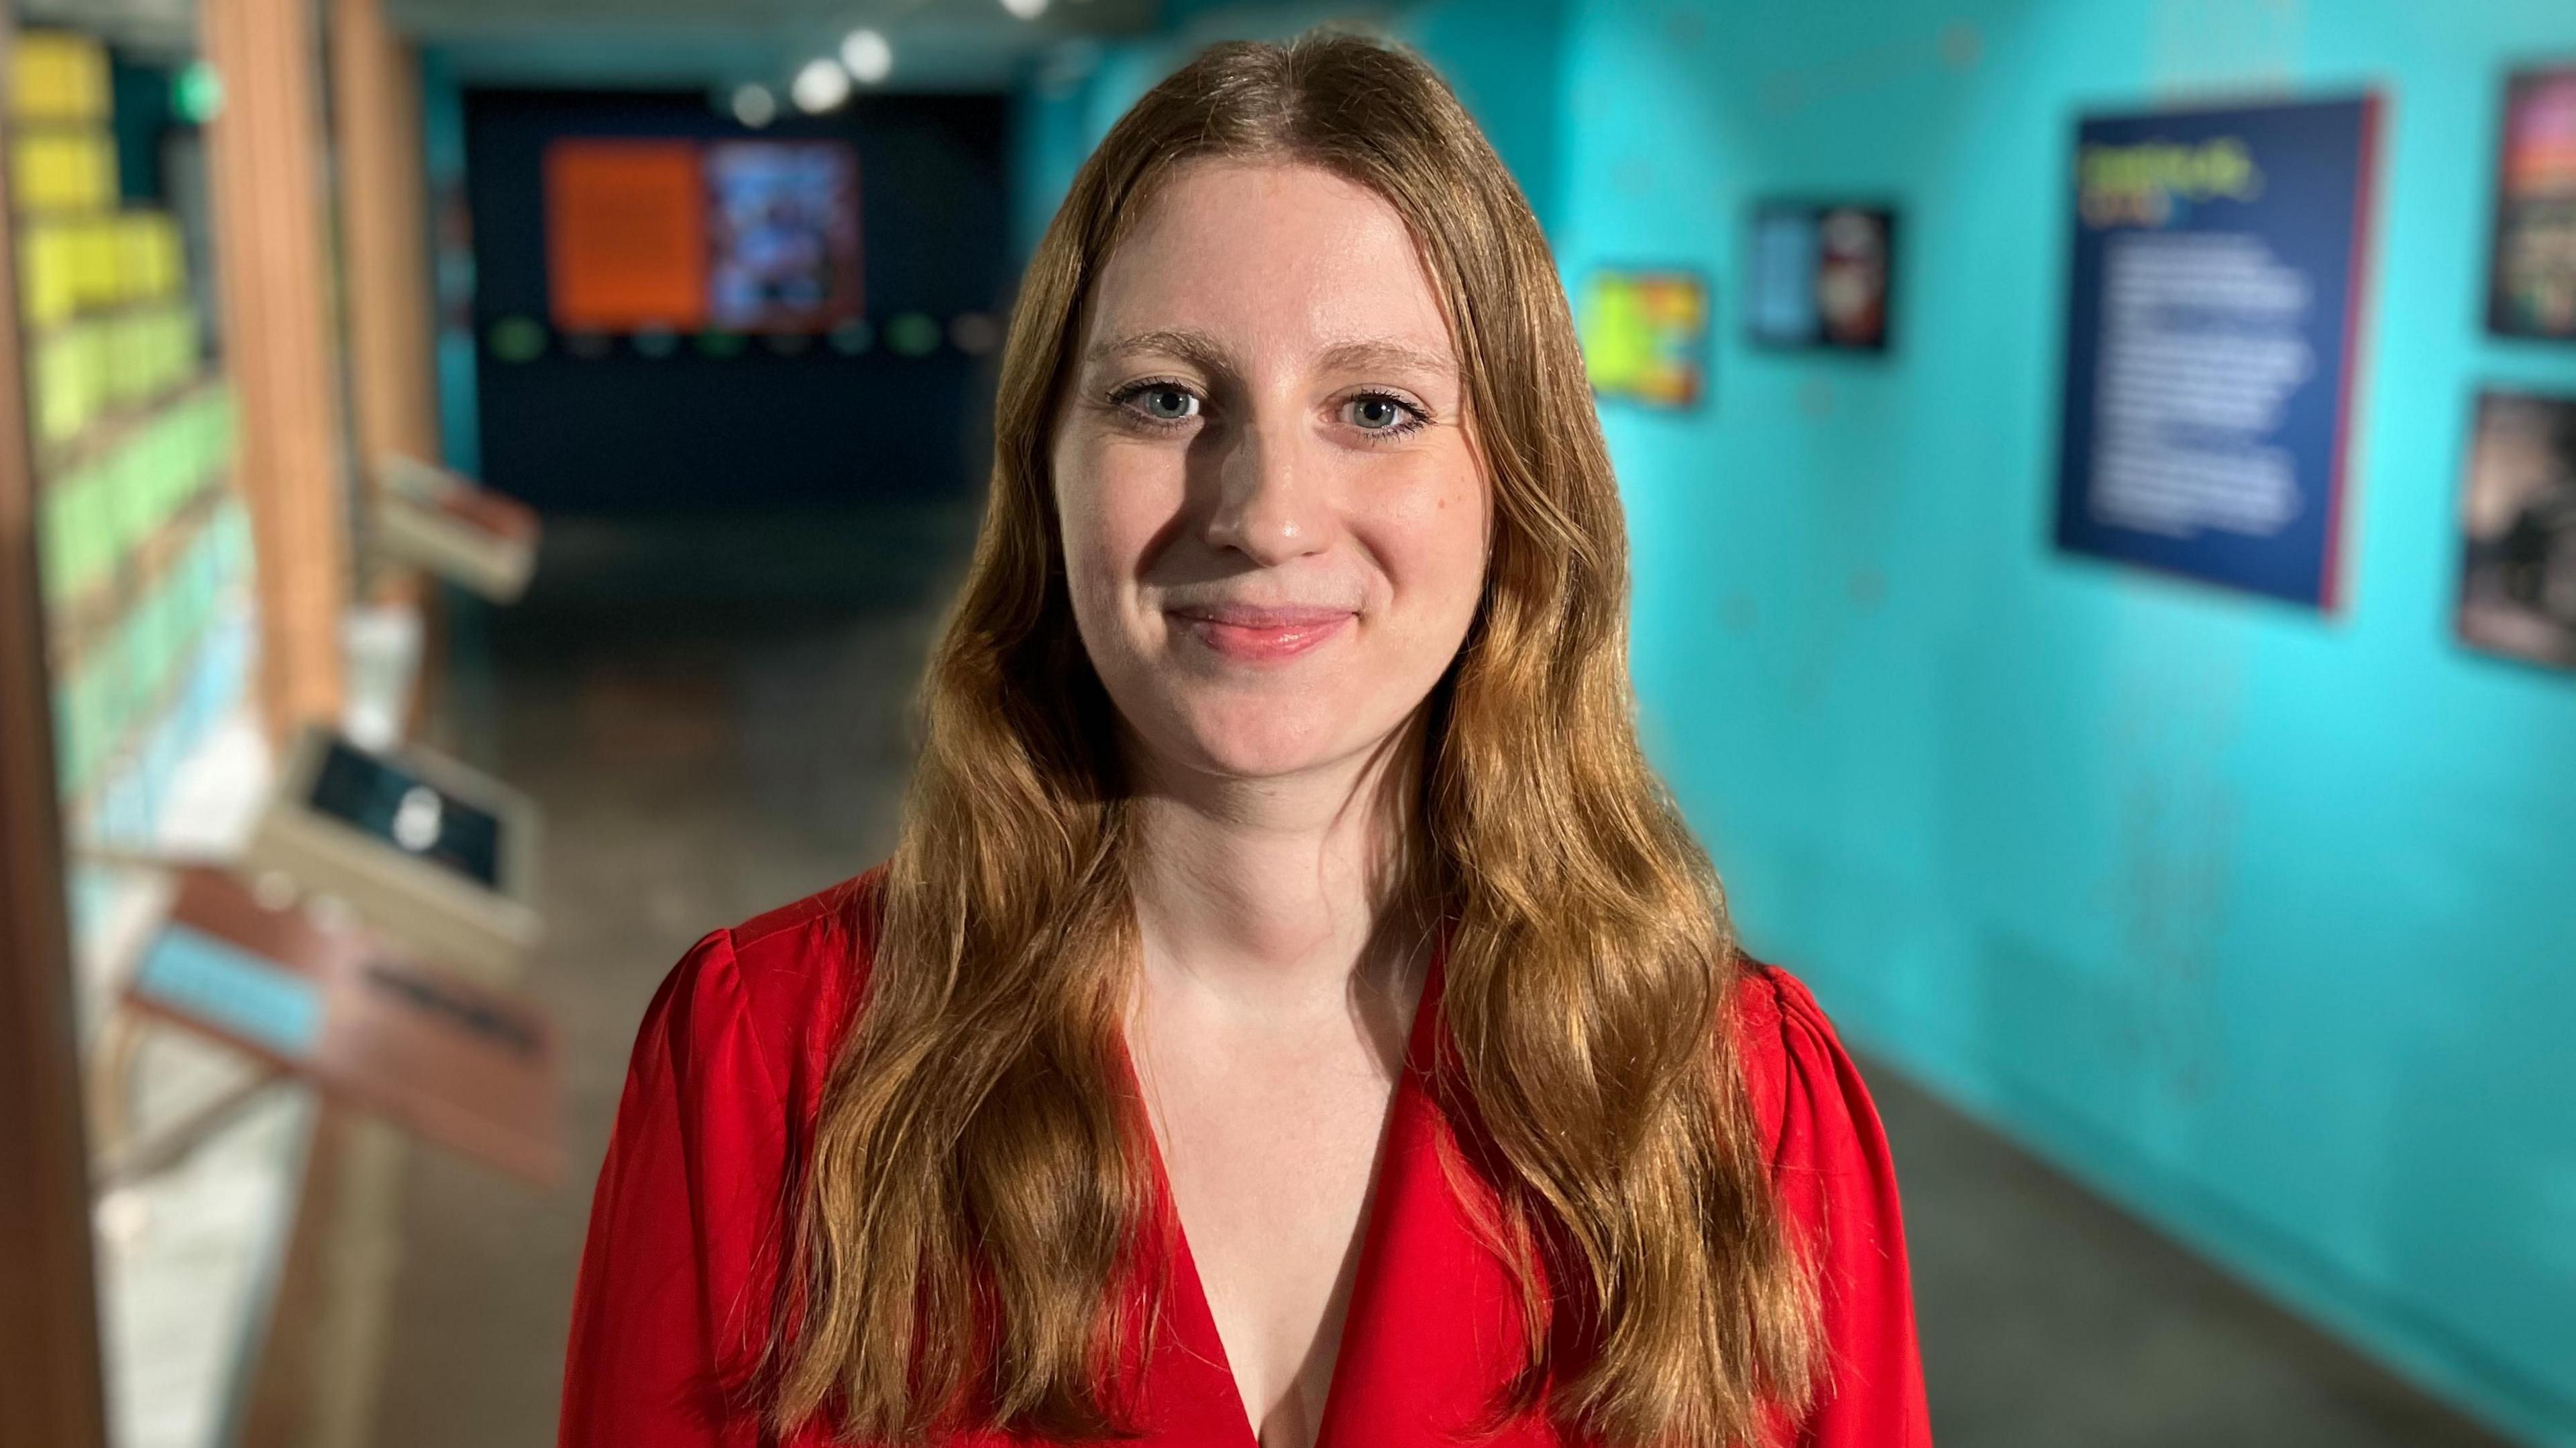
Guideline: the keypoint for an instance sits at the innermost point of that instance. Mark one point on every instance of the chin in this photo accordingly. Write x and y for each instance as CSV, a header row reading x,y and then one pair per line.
x,y
1260,738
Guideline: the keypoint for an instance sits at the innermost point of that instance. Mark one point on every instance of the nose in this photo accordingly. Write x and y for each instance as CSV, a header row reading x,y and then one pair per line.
x,y
1270,506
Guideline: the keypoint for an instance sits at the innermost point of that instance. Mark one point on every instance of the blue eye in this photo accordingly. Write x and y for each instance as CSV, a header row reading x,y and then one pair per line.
x,y
1163,402
1382,413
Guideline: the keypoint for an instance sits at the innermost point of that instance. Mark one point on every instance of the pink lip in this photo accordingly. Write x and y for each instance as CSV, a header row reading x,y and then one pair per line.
x,y
1259,635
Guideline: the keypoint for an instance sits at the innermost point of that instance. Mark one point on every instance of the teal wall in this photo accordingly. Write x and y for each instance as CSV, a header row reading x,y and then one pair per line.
x,y
1504,57
2262,921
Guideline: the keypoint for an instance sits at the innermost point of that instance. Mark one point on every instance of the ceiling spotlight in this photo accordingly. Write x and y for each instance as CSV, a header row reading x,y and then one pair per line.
x,y
1026,9
867,56
754,106
820,86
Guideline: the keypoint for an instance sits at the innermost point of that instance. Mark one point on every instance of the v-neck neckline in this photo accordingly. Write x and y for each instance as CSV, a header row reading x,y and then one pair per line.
x,y
1197,1315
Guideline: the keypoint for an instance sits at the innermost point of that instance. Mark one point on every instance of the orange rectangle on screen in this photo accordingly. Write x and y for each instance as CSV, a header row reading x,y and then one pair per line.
x,y
626,235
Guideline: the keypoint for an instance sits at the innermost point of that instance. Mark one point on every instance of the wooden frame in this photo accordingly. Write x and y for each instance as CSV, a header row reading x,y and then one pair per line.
x,y
265,169
51,1388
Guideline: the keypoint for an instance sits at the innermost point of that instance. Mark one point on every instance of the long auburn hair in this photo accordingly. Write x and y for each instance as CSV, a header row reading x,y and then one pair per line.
x,y
979,1194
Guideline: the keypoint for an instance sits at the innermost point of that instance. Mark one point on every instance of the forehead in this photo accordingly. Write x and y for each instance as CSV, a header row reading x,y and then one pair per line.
x,y
1267,255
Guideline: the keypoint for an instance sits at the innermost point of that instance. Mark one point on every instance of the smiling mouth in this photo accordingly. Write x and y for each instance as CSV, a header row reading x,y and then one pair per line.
x,y
1260,635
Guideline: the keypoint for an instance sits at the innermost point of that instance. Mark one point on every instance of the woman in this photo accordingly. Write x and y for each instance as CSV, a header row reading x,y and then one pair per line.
x,y
1293,1012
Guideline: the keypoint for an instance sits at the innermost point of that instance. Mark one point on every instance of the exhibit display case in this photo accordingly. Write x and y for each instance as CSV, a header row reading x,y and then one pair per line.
x,y
244,979
147,581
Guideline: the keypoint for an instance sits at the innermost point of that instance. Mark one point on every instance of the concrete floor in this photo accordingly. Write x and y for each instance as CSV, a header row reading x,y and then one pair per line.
x,y
714,717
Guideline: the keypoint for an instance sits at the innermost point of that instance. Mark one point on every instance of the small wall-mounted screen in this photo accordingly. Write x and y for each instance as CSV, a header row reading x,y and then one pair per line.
x,y
373,796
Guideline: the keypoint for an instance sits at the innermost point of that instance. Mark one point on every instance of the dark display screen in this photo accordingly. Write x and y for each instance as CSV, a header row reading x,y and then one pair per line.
x,y
374,797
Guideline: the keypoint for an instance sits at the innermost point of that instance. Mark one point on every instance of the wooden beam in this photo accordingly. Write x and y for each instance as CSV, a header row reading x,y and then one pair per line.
x,y
50,1385
265,175
384,240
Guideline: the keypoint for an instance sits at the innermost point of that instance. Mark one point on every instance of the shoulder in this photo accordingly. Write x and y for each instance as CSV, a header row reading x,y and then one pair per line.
x,y
1806,1093
1834,1184
774,992
695,1194
809,959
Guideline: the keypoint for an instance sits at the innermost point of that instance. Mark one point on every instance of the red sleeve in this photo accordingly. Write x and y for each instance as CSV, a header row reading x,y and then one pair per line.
x,y
1836,1188
672,1292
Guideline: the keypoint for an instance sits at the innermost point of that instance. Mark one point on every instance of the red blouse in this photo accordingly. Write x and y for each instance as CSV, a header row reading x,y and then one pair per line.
x,y
727,1075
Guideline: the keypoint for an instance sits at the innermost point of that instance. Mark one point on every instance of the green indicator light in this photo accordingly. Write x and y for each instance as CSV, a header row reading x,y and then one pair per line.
x,y
912,334
852,338
518,339
197,93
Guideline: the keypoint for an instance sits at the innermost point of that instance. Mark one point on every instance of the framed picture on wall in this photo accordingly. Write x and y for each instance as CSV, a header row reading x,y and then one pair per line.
x,y
1820,275
783,226
626,234
2531,283
674,234
2518,529
1645,336
2215,295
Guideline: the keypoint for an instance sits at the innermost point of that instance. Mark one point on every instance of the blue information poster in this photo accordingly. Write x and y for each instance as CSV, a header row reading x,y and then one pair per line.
x,y
2210,329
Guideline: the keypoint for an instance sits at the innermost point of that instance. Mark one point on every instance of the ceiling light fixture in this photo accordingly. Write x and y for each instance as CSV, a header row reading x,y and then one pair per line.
x,y
754,106
820,86
867,56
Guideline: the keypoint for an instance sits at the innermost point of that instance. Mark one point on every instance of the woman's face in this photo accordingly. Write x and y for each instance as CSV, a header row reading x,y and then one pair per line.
x,y
1274,524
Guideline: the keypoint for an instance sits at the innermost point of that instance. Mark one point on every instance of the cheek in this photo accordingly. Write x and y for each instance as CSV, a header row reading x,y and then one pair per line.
x,y
1431,535
1111,502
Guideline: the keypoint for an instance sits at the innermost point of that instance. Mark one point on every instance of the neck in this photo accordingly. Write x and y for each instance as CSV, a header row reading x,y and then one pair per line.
x,y
1262,891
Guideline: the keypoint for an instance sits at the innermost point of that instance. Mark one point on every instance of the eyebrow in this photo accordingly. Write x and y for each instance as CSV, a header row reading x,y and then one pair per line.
x,y
1201,350
1378,356
1196,348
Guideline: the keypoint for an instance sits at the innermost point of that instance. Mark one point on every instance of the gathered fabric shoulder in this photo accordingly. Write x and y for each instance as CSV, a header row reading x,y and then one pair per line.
x,y
785,983
694,1210
1834,1181
1789,1051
